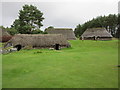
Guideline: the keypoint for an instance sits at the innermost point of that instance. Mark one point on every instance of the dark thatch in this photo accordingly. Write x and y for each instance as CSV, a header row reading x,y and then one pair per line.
x,y
67,32
96,33
4,35
39,40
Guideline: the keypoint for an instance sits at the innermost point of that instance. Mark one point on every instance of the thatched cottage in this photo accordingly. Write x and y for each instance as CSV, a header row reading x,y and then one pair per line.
x,y
96,34
67,32
4,35
38,40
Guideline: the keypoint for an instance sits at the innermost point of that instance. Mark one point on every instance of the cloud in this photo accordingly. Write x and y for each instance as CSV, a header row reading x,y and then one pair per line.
x,y
61,14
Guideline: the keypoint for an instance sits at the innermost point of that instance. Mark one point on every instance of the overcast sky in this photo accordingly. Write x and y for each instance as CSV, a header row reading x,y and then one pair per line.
x,y
67,13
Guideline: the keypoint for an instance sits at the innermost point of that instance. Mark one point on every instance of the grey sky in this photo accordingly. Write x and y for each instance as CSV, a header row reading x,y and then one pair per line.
x,y
61,14
119,7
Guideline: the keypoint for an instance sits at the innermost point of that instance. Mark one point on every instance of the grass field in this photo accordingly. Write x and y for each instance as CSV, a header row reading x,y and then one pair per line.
x,y
87,64
0,67
0,45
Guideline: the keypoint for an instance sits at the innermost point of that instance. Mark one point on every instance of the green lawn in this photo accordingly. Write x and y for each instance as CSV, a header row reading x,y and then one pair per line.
x,y
0,44
87,64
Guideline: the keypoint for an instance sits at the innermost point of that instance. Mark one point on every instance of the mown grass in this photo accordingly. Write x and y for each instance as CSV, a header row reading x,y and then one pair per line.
x,y
0,44
0,67
0,71
87,64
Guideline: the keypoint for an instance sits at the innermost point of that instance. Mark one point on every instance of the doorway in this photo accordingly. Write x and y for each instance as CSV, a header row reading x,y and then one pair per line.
x,y
18,47
57,46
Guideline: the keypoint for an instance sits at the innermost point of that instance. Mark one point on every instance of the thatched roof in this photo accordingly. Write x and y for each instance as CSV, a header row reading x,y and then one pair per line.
x,y
39,40
98,32
4,35
3,32
67,32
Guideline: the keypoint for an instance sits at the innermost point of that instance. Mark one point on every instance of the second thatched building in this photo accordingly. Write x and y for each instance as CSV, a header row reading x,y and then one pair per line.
x,y
96,34
67,32
4,35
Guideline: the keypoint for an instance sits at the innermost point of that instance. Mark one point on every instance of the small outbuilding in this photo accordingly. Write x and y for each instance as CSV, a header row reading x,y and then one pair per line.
x,y
67,32
96,34
38,41
4,35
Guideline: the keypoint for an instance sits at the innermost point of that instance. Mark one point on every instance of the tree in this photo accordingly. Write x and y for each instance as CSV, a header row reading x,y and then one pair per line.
x,y
112,23
30,19
118,30
38,31
50,27
16,24
78,30
12,31
2,27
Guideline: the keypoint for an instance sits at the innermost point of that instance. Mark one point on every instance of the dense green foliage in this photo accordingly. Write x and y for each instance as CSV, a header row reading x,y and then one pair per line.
x,y
13,31
78,30
10,30
50,27
2,27
87,64
118,31
38,31
109,22
30,19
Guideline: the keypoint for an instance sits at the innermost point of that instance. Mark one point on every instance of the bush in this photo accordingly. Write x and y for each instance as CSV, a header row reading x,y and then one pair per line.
x,y
37,31
12,31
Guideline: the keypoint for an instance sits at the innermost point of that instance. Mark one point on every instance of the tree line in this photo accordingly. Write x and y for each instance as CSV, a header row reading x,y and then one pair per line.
x,y
110,22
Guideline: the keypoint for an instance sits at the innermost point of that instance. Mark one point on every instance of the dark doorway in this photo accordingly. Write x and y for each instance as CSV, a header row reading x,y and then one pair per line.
x,y
57,46
94,38
18,47
118,65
